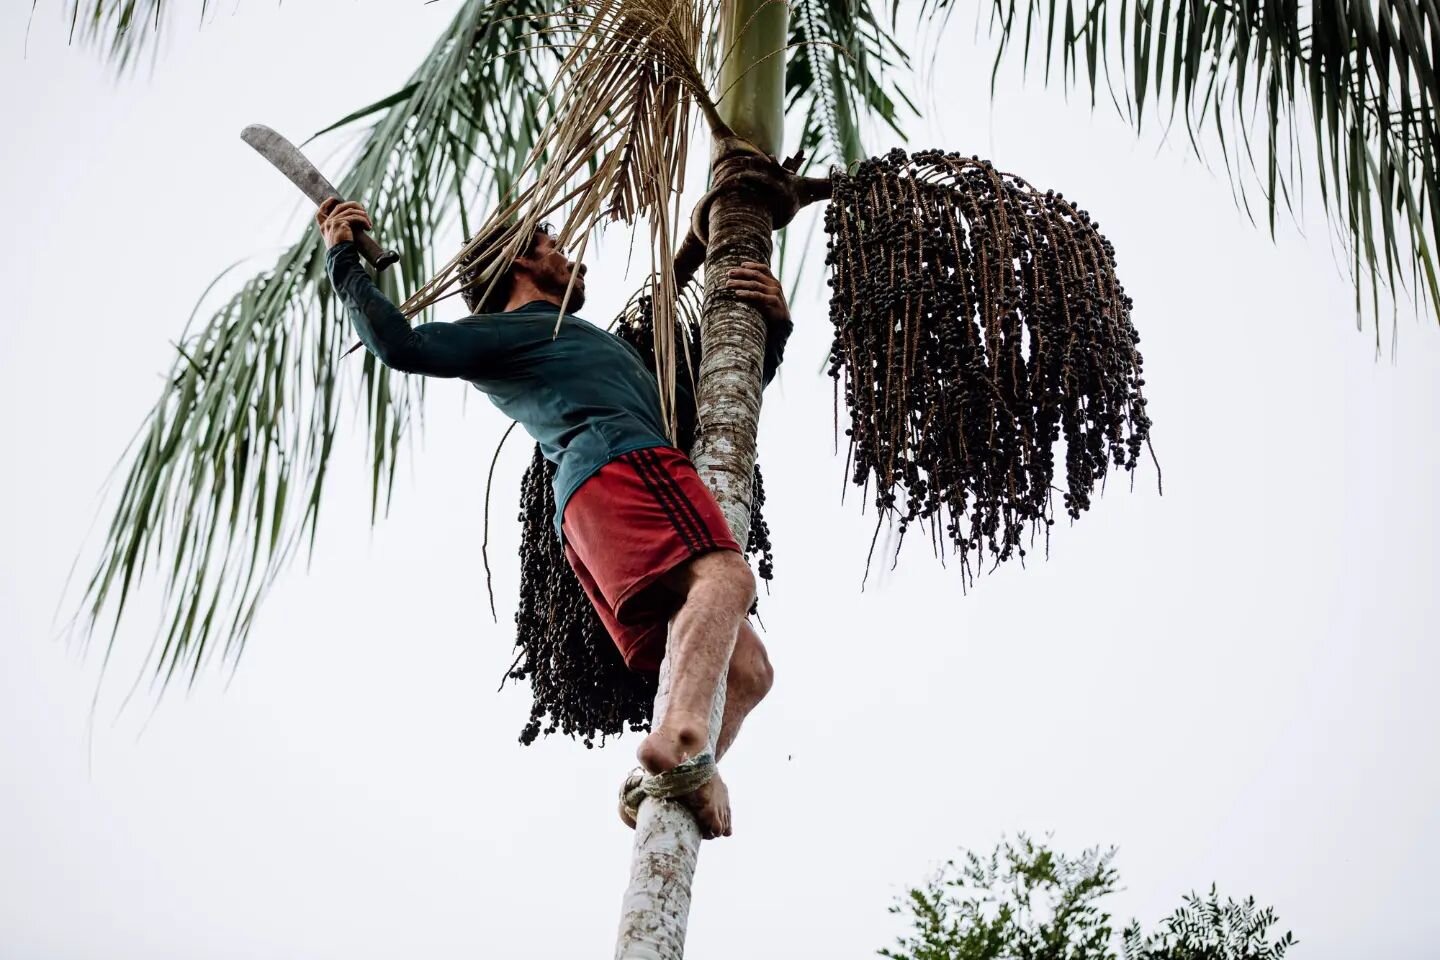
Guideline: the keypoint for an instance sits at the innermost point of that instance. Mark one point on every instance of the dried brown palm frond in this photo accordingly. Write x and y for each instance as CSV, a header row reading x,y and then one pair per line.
x,y
978,322
616,148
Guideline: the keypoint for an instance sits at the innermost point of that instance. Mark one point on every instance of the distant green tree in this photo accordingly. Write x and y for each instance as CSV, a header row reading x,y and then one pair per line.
x,y
1023,901
1204,929
1027,902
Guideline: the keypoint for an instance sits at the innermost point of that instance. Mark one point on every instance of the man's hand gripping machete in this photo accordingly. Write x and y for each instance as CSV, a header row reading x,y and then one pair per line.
x,y
286,158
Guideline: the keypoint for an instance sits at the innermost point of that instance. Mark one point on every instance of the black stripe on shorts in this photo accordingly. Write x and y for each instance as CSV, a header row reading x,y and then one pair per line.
x,y
683,502
646,473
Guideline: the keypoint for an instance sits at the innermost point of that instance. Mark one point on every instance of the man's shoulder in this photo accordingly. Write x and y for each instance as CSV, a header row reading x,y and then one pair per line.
x,y
532,327
535,317
512,319
532,312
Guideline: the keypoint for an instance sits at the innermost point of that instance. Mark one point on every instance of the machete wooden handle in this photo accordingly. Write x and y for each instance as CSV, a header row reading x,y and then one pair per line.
x,y
374,254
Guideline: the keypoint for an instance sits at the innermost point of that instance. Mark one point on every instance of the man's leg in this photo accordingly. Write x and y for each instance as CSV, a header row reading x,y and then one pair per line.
x,y
716,589
747,683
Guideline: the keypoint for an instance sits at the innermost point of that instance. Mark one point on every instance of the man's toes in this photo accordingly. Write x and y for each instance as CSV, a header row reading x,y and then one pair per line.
x,y
707,814
716,811
714,821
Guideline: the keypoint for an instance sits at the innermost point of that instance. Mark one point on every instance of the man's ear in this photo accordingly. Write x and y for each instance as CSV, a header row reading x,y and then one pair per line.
x,y
524,265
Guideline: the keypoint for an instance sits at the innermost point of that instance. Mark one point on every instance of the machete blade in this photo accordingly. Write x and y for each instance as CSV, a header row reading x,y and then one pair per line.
x,y
287,158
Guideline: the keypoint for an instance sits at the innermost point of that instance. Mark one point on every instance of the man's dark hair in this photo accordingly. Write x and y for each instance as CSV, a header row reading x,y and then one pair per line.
x,y
476,299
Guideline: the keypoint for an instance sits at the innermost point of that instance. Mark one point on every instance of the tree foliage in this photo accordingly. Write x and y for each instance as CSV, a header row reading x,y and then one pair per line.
x,y
225,478
1028,902
1023,900
1203,928
1343,94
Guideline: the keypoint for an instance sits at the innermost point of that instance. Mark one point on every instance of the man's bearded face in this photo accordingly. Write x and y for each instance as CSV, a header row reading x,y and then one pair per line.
x,y
552,271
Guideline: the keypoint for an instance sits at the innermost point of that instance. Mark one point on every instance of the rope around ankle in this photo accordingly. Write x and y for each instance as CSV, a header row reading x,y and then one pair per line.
x,y
689,776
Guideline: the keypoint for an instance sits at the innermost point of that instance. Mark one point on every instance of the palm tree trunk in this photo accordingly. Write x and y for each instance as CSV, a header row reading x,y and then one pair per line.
x,y
656,907
733,348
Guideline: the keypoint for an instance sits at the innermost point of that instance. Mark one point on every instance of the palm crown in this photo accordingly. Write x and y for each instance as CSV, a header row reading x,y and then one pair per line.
x,y
228,471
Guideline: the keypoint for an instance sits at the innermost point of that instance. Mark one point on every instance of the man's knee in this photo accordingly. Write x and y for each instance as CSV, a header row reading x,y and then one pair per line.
x,y
721,576
735,579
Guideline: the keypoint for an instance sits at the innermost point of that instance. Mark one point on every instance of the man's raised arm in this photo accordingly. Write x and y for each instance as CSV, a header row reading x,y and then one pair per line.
x,y
434,349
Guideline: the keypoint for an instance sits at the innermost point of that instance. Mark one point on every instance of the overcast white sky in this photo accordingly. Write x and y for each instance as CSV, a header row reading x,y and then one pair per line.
x,y
1232,683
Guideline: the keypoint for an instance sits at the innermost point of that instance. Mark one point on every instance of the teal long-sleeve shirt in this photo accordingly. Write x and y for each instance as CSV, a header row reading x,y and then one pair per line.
x,y
585,395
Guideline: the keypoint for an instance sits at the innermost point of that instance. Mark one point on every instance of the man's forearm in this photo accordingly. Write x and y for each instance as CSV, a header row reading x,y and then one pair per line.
x,y
434,349
378,322
776,335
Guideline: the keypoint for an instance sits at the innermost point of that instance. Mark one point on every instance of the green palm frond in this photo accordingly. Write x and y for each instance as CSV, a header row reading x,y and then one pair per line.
x,y
844,66
1347,92
123,30
225,478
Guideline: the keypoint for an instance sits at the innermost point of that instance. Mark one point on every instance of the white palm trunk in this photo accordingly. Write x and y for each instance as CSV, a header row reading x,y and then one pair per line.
x,y
656,907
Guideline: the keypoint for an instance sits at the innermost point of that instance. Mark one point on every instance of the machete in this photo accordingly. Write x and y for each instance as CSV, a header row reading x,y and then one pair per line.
x,y
288,159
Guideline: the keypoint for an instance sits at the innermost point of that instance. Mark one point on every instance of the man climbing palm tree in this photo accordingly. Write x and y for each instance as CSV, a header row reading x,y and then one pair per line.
x,y
645,537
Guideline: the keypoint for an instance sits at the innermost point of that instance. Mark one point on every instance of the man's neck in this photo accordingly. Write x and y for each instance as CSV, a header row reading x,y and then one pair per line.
x,y
527,292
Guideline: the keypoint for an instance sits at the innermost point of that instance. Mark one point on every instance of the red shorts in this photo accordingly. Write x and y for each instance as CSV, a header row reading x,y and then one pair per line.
x,y
639,517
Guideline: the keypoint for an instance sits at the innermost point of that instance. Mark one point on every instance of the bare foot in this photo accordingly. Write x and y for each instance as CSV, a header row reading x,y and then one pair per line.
x,y
675,741
715,794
